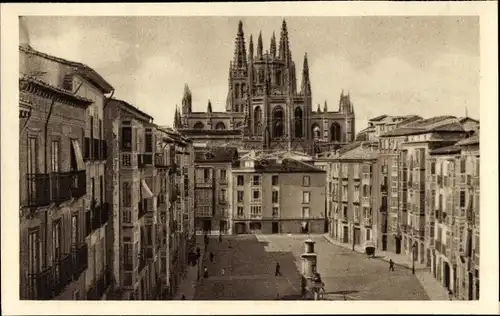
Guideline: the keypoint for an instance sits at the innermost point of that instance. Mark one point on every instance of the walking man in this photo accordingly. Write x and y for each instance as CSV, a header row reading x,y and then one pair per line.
x,y
391,265
220,237
211,257
277,271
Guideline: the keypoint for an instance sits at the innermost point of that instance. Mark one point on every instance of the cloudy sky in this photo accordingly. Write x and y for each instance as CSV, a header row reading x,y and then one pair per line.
x,y
393,65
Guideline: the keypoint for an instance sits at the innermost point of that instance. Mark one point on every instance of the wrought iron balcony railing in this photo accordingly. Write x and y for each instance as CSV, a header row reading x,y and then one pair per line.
x,y
43,189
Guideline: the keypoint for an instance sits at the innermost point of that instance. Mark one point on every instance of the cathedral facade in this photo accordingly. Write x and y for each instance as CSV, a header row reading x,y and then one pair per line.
x,y
264,106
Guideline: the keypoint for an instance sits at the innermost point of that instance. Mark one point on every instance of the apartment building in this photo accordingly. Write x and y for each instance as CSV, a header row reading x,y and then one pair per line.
x,y
356,216
408,147
66,96
276,194
453,253
129,132
213,189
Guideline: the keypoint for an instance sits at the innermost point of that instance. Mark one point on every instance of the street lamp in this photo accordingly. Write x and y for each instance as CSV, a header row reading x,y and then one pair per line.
x,y
413,247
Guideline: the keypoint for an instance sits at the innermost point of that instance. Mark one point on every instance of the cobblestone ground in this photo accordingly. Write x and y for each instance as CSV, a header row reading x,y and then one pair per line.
x,y
243,269
346,272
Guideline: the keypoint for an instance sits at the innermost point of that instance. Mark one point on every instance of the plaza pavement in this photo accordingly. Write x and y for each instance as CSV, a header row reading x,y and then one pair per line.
x,y
249,262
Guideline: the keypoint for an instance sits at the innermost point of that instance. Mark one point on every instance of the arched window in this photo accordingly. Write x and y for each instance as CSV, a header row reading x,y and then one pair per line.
x,y
198,125
335,135
278,127
315,131
298,122
220,125
257,121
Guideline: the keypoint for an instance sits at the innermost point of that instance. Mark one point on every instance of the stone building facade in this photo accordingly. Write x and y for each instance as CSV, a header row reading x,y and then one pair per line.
x,y
265,105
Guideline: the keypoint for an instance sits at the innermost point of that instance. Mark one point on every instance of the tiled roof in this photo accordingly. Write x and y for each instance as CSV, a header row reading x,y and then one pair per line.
x,y
363,151
473,140
434,124
448,150
216,154
211,132
285,166
378,118
47,86
81,69
131,107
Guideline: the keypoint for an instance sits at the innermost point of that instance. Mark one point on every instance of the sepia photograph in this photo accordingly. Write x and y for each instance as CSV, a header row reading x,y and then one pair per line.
x,y
248,157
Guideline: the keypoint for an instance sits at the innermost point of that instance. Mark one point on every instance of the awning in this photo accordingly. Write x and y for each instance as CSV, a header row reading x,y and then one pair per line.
x,y
146,192
80,165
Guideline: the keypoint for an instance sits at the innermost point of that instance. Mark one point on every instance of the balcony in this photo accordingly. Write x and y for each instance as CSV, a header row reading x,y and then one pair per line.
x,y
365,200
160,161
145,160
128,160
222,181
80,255
96,149
142,261
41,284
367,221
63,274
223,201
96,217
383,189
44,189
104,150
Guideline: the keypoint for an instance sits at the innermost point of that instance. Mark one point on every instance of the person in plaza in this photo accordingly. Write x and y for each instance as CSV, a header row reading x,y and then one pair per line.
x,y
277,271
220,237
212,257
391,265
450,294
205,272
183,297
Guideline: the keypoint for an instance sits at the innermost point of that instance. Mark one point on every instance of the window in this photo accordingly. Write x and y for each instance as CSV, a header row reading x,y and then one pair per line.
x,y
255,210
306,181
240,196
34,252
462,165
433,167
256,180
240,180
101,188
74,230
255,196
55,155
274,180
275,211
126,138
462,198
240,211
149,143
222,195
368,234
128,259
305,212
345,211
32,155
206,174
305,197
57,244
275,197
223,174
92,188
126,194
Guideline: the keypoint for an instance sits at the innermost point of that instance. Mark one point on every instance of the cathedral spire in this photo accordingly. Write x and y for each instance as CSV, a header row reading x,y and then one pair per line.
x,y
186,100
306,83
273,46
284,47
319,109
259,46
250,49
176,117
325,108
240,55
209,106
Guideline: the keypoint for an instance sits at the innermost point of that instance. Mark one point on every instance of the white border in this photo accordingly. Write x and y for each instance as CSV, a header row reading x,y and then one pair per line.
x,y
489,186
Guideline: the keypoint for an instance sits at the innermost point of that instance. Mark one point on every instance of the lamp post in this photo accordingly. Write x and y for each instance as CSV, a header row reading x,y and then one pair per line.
x,y
413,247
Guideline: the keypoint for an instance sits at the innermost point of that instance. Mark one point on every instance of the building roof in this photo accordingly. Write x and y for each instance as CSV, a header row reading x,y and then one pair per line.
x,y
79,68
364,151
378,118
216,154
211,132
472,140
447,150
286,165
131,108
433,124
27,79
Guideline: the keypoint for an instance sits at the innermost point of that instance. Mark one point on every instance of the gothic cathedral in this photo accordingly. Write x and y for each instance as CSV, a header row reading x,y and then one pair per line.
x,y
265,108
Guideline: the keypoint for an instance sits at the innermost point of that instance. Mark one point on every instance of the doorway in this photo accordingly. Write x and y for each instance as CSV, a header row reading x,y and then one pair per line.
x,y
223,227
346,235
275,228
398,245
384,242
207,225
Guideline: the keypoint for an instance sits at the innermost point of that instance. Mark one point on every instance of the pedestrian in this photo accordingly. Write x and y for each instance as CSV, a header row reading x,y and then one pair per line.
x,y
212,257
220,237
277,296
205,272
277,271
222,271
450,294
391,265
183,297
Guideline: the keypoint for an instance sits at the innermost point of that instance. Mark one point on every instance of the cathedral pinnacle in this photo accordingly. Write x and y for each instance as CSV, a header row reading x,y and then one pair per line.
x,y
273,46
325,108
306,83
250,48
259,46
240,54
209,107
